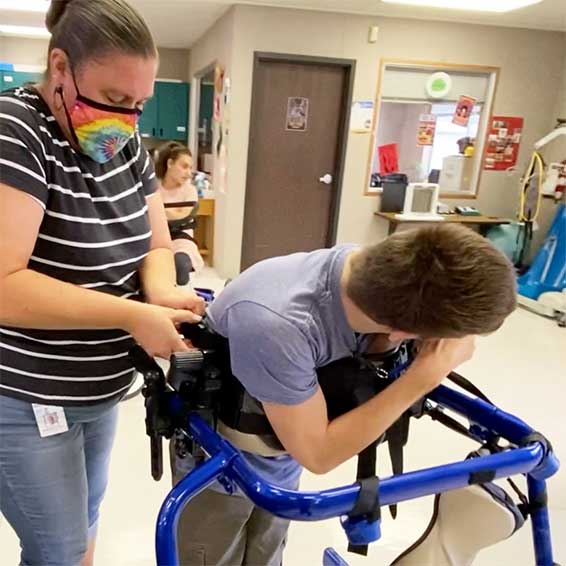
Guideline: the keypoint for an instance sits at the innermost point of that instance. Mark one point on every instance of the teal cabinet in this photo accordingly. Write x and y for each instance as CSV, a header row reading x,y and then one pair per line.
x,y
148,119
206,105
166,115
13,79
173,110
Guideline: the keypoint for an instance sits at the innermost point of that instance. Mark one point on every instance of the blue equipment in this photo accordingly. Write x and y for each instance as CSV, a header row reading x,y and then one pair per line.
x,y
183,404
548,269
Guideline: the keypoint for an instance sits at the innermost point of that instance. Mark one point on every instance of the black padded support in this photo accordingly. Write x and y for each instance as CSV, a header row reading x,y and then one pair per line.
x,y
484,476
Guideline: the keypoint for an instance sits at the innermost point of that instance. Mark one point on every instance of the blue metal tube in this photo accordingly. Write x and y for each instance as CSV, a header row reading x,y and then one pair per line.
x,y
498,422
540,522
479,412
313,506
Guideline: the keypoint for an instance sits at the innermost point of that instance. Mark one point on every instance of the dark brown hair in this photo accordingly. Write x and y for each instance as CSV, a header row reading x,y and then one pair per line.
x,y
438,281
87,29
167,151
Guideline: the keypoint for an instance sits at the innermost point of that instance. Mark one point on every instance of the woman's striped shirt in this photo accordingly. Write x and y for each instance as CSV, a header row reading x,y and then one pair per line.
x,y
95,233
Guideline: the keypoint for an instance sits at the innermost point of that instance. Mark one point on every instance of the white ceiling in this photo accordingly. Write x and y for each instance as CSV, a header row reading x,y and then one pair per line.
x,y
179,23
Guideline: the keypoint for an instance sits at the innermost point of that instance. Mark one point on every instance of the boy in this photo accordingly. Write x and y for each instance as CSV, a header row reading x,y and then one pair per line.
x,y
285,317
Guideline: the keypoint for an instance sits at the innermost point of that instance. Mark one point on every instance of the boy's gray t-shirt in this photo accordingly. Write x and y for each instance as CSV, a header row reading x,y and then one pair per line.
x,y
284,318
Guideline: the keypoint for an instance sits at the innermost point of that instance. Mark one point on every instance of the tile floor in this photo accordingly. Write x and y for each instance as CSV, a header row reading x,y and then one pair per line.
x,y
522,368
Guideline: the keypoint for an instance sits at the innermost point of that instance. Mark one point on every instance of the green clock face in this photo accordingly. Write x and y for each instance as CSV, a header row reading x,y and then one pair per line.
x,y
438,85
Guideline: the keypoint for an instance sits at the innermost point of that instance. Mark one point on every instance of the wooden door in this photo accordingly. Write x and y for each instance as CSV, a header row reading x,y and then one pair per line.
x,y
299,110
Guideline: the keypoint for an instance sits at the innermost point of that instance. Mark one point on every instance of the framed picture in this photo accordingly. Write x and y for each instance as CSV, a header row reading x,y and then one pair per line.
x,y
297,114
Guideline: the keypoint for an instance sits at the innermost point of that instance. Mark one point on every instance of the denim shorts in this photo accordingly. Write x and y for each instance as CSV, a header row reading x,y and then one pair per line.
x,y
51,488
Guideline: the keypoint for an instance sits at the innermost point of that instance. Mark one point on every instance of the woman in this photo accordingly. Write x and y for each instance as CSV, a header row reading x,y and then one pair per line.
x,y
174,169
83,241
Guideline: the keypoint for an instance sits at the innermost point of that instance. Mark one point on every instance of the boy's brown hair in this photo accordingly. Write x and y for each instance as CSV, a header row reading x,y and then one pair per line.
x,y
437,281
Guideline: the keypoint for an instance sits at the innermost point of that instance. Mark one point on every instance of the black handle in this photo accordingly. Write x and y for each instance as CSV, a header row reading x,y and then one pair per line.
x,y
156,443
153,132
160,131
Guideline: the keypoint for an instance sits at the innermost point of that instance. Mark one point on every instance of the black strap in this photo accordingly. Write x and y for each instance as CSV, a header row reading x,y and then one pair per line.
x,y
181,204
180,235
524,499
397,436
535,503
449,422
367,503
482,476
537,437
468,386
367,506
367,461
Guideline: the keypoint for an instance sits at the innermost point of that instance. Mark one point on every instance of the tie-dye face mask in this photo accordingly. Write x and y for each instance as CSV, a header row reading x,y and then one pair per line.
x,y
101,131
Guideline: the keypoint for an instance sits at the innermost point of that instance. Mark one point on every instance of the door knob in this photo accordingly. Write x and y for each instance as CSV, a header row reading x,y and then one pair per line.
x,y
326,179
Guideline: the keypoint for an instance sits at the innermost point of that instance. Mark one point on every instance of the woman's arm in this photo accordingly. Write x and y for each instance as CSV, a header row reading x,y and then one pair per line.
x,y
30,299
33,300
158,269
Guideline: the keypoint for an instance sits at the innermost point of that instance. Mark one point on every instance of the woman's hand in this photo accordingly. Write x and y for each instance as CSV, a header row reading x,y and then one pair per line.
x,y
154,328
181,299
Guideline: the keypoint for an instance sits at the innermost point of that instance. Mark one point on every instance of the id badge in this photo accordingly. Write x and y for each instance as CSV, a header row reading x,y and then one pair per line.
x,y
50,420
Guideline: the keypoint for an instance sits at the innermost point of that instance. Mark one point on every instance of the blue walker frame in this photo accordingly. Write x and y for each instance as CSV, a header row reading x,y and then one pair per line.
x,y
532,457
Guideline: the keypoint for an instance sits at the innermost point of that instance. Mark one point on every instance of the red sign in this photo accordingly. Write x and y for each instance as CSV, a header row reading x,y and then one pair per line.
x,y
502,144
388,159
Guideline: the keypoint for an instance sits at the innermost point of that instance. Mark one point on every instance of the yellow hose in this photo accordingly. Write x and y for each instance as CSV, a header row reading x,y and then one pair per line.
x,y
535,163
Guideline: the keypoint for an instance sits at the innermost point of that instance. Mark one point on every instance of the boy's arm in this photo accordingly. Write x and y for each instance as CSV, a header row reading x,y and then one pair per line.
x,y
320,445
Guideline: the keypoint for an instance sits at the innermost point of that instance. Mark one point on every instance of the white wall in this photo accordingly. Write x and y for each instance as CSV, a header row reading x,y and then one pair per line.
x,y
531,64
217,47
398,124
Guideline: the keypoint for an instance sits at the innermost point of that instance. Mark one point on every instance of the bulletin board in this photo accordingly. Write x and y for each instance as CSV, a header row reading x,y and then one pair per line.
x,y
503,140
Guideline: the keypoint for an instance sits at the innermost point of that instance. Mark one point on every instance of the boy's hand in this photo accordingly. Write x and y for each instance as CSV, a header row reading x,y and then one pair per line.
x,y
438,357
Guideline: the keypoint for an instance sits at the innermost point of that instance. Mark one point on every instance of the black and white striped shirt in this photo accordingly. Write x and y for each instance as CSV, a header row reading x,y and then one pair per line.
x,y
95,233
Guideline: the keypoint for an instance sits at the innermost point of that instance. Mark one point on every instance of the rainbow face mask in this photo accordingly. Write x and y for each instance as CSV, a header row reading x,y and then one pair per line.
x,y
101,131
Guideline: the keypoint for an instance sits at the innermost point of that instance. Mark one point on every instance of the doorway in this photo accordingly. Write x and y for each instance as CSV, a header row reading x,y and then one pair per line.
x,y
201,129
298,131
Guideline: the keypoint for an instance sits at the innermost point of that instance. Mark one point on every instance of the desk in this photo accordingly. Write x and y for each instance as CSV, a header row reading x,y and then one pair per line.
x,y
482,221
204,231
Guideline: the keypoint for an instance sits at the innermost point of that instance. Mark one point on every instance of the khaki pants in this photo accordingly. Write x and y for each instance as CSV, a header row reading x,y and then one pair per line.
x,y
217,529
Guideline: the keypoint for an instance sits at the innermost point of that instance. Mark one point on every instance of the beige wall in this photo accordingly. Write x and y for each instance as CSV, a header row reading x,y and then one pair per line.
x,y
21,51
173,64
532,63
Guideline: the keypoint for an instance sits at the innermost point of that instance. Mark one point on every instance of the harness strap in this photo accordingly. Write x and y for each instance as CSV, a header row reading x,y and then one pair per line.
x,y
367,505
468,386
397,436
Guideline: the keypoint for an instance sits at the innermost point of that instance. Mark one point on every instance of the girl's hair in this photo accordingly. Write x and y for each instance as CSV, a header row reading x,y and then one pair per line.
x,y
169,150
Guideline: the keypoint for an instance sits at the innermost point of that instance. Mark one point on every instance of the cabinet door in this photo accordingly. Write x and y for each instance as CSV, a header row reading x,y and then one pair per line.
x,y
13,79
206,105
173,110
148,120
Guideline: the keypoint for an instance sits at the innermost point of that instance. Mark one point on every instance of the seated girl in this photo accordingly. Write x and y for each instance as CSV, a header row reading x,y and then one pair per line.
x,y
174,168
